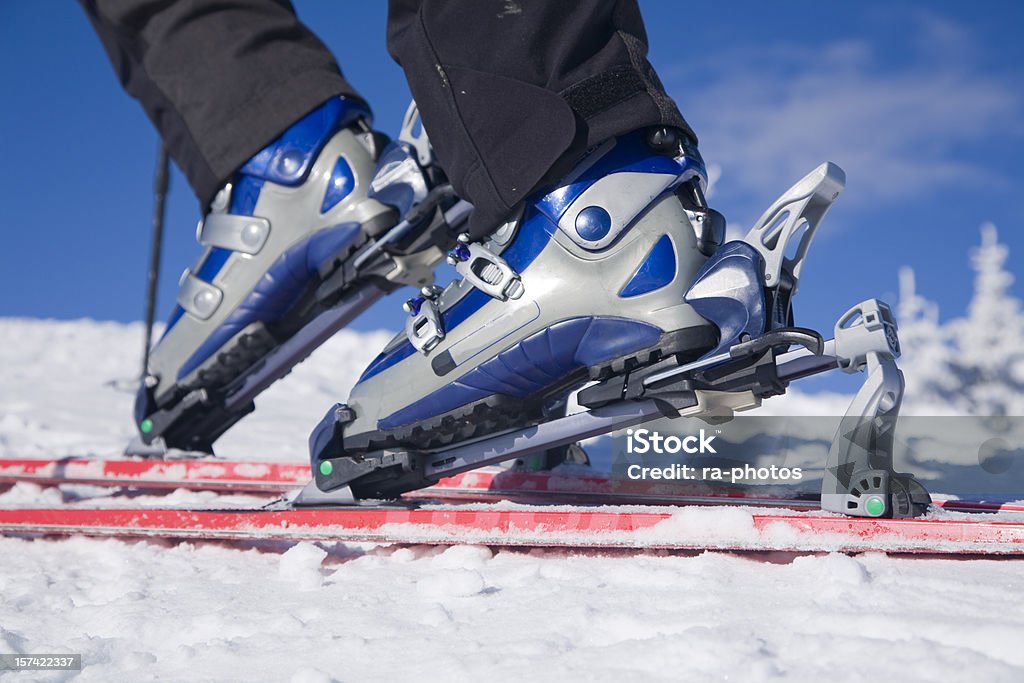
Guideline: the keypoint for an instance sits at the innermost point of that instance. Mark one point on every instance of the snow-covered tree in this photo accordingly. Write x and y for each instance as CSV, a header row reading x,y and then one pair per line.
x,y
990,340
928,352
974,363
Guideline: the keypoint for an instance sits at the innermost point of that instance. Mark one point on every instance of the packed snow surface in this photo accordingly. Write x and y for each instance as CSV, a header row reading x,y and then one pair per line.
x,y
142,611
329,612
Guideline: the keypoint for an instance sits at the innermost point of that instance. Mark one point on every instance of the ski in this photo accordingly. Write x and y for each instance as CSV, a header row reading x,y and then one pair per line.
x,y
579,487
196,474
635,528
576,486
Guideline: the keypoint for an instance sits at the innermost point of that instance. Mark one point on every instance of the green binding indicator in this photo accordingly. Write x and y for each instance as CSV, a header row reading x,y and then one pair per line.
x,y
875,506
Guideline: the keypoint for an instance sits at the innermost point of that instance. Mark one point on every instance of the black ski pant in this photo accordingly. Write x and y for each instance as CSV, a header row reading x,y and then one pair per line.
x,y
511,91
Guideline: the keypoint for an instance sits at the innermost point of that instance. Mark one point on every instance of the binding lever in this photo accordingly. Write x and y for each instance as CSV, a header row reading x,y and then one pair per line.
x,y
415,135
859,477
794,215
746,287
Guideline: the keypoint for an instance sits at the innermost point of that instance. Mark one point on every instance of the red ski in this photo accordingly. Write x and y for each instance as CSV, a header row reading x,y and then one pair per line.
x,y
199,474
754,525
690,528
578,487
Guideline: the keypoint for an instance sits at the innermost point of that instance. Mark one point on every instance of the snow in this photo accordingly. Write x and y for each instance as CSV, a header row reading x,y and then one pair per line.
x,y
300,565
316,612
69,386
139,611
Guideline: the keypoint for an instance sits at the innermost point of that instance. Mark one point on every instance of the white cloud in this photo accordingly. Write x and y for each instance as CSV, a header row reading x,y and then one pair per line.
x,y
770,113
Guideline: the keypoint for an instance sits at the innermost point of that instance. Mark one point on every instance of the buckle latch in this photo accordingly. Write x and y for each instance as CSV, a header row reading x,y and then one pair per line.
x,y
424,327
485,270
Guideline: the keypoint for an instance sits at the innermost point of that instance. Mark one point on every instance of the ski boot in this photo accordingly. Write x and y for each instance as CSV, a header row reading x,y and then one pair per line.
x,y
300,242
584,282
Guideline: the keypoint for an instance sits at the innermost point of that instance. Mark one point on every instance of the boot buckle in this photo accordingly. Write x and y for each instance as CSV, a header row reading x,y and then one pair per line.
x,y
485,270
424,327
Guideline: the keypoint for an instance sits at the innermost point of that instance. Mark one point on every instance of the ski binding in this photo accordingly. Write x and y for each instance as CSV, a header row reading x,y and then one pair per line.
x,y
746,289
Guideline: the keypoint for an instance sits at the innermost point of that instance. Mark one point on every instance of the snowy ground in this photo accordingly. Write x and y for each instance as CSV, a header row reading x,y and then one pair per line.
x,y
146,610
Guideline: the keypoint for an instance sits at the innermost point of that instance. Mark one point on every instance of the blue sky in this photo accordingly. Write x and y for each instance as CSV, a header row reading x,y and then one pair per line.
x,y
921,103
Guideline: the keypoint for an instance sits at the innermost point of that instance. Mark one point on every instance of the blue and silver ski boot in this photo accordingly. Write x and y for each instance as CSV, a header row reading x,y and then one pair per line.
x,y
585,282
291,256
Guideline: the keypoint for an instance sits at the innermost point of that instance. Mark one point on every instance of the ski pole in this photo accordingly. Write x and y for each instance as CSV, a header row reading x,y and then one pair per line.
x,y
161,183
